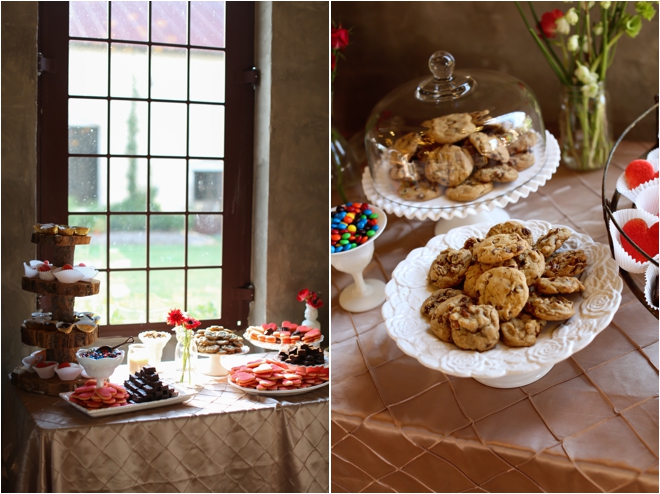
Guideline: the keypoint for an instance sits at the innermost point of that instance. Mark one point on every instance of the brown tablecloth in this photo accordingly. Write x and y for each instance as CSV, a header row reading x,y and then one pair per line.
x,y
222,440
590,425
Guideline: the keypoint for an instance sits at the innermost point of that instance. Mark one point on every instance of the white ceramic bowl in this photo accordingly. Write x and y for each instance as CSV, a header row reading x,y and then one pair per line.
x,y
46,372
69,373
102,368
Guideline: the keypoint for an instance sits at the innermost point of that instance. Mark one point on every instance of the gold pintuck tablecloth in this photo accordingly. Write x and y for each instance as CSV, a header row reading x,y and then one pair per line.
x,y
590,425
222,440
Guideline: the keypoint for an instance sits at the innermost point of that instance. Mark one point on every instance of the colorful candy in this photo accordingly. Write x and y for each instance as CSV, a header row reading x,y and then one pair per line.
x,y
352,224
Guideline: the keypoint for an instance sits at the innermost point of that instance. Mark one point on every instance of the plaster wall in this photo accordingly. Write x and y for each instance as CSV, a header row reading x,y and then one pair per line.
x,y
391,43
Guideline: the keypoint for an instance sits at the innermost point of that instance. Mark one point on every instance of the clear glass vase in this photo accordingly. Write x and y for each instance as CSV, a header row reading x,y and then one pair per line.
x,y
343,168
185,357
584,125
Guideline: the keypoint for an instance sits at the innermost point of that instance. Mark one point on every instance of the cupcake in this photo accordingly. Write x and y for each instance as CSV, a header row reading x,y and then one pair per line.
x,y
65,230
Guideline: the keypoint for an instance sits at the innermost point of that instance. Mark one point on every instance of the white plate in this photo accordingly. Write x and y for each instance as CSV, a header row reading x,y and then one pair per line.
x,y
546,164
277,346
215,365
283,392
184,395
503,366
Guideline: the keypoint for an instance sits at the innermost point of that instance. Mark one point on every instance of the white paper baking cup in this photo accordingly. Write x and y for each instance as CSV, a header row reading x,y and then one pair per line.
x,y
30,272
68,276
623,259
89,273
651,280
47,275
622,184
652,157
647,201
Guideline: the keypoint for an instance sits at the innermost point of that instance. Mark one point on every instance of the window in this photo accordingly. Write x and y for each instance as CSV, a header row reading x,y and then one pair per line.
x,y
158,155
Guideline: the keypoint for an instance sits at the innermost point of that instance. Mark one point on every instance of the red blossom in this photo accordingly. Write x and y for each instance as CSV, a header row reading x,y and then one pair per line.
x,y
175,317
333,61
315,302
339,38
191,323
548,24
303,294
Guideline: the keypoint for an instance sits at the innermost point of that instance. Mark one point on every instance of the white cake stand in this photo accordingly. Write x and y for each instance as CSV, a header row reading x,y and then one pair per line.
x,y
451,214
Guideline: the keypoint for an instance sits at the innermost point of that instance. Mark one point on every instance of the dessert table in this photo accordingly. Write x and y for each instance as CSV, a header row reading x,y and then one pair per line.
x,y
590,425
221,440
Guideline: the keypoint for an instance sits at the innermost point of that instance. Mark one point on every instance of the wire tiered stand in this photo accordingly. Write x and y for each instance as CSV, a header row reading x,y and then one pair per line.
x,y
610,206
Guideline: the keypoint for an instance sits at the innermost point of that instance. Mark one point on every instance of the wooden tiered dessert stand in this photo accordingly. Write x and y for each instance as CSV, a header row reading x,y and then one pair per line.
x,y
59,347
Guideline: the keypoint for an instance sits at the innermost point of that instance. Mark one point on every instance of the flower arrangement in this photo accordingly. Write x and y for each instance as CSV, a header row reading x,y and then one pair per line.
x,y
579,46
184,326
312,299
339,39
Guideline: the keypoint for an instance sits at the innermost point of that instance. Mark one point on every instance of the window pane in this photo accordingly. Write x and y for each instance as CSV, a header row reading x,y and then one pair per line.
x,y
204,293
169,69
168,22
207,76
95,303
168,185
165,293
207,24
130,20
205,190
205,240
167,234
128,127
129,71
94,253
128,247
88,19
88,68
87,178
168,129
207,130
128,184
128,297
88,116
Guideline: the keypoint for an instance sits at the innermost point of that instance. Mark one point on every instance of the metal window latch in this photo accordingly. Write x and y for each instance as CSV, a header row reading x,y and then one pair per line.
x,y
250,77
245,292
46,65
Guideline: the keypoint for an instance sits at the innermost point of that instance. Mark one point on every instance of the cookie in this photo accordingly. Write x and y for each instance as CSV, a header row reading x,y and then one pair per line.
x,y
448,269
420,191
521,331
547,244
469,190
505,289
476,269
480,118
449,129
532,264
489,146
560,284
474,327
436,298
407,144
448,165
549,308
568,263
471,242
208,349
524,143
500,174
439,317
512,227
499,248
404,171
521,161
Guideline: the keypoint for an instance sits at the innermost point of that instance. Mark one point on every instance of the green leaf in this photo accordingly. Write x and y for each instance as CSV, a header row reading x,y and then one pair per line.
x,y
645,9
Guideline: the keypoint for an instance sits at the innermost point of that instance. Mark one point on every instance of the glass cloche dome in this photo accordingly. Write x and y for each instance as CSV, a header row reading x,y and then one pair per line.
x,y
455,137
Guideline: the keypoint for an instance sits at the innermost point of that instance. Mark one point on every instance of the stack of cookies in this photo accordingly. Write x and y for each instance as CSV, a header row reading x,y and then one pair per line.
x,y
465,152
216,340
505,286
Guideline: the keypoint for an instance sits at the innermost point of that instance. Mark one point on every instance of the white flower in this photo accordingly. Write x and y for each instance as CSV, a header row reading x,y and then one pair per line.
x,y
590,90
590,4
605,5
573,43
562,25
598,29
584,75
572,17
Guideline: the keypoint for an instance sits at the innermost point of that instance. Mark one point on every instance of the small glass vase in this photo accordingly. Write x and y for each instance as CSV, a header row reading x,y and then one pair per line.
x,y
185,357
584,125
343,167
311,317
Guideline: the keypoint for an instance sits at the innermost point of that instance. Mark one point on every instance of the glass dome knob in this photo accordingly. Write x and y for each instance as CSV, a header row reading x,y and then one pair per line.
x,y
442,65
444,85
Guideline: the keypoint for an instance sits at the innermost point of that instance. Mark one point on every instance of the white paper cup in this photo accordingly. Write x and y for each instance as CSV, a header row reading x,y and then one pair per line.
x,y
88,272
647,201
30,272
47,275
624,190
68,276
623,259
652,158
651,280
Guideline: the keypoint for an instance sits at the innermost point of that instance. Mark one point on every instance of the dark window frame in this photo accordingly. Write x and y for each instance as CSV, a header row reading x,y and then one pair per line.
x,y
53,155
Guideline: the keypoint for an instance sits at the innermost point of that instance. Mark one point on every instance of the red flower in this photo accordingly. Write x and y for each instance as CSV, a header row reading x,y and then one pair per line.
x,y
303,294
548,24
333,61
191,323
175,317
315,302
339,38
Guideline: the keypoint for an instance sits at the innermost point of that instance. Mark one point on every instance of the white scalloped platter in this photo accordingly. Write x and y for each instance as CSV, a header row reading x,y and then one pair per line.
x,y
503,366
547,162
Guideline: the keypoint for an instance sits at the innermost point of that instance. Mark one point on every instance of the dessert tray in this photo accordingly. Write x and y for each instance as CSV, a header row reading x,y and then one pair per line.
x,y
284,392
503,366
276,346
184,395
216,361
546,164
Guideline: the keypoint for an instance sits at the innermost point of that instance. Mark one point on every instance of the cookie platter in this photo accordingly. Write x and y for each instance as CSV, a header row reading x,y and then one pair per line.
x,y
381,190
252,391
502,366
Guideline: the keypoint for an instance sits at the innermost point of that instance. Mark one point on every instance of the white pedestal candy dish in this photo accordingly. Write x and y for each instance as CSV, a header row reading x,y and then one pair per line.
x,y
503,366
101,368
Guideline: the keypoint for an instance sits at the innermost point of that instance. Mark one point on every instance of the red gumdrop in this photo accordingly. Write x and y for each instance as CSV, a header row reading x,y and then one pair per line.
x,y
646,238
639,172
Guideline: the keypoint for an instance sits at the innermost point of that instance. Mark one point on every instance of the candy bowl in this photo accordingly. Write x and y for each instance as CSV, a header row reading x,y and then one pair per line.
x,y
362,295
69,372
155,341
99,366
45,370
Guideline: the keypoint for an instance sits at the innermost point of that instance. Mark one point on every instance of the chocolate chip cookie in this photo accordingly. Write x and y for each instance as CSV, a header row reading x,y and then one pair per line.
x,y
560,284
448,165
498,248
405,171
476,269
474,327
436,298
407,144
524,143
549,308
511,227
471,242
419,191
489,146
521,161
568,263
532,264
547,244
505,289
440,316
469,190
500,174
449,129
521,331
448,269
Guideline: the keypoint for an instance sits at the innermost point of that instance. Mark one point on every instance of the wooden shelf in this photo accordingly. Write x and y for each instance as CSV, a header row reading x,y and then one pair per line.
x,y
60,240
32,383
78,289
47,338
